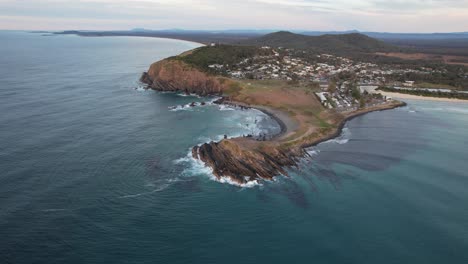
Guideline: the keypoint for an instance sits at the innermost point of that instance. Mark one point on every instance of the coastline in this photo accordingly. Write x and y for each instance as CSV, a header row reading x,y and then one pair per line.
x,y
285,121
350,117
101,35
302,119
244,160
424,98
287,124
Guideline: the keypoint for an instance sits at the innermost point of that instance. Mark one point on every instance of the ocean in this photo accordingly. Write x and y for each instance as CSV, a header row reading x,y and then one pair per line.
x,y
96,169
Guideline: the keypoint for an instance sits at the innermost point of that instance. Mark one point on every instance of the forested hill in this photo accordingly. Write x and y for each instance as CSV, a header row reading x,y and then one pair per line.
x,y
343,43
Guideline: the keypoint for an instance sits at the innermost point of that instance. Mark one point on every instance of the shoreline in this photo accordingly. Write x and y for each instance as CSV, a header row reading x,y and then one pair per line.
x,y
282,119
338,130
244,160
422,98
97,35
342,124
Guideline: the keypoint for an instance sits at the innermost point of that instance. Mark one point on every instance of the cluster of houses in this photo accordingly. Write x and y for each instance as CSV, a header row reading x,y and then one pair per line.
x,y
343,99
288,64
337,101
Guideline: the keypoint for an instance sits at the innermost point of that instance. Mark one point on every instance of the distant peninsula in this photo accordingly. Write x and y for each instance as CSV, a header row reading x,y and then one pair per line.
x,y
276,81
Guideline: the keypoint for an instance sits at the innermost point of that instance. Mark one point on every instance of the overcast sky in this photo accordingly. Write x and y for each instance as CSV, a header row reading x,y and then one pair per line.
x,y
322,15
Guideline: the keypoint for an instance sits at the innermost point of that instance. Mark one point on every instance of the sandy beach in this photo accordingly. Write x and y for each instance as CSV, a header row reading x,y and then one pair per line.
x,y
425,98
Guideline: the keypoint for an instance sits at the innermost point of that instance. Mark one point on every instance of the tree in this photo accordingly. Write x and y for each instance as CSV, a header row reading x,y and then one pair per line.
x,y
356,92
362,102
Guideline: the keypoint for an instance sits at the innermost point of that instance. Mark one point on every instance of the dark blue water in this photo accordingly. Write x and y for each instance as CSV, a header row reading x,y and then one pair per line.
x,y
95,171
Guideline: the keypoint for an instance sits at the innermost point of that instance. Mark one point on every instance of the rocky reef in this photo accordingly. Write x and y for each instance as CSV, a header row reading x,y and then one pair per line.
x,y
175,75
244,160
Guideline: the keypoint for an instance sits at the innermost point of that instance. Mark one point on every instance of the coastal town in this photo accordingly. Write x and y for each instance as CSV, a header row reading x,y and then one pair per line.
x,y
339,83
288,64
324,74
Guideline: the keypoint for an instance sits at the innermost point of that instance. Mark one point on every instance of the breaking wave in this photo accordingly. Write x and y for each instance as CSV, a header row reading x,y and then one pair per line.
x,y
226,108
195,167
192,105
342,139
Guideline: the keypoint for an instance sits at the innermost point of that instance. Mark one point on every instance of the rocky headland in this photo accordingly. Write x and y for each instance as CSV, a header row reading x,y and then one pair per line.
x,y
304,121
175,75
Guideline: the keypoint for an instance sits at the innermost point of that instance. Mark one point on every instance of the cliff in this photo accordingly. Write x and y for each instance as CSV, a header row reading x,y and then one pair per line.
x,y
175,75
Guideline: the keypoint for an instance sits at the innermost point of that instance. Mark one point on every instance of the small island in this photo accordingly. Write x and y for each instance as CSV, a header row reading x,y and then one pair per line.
x,y
268,79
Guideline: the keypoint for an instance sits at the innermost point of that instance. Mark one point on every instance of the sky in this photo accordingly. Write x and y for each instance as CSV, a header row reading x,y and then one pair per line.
x,y
318,15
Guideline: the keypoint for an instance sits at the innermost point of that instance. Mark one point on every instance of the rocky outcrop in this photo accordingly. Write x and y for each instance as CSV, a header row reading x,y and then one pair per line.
x,y
244,160
175,75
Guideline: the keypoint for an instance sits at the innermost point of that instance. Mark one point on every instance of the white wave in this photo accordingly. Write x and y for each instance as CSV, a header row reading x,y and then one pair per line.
x,y
196,167
53,210
202,140
225,108
214,99
188,95
186,107
141,89
190,106
161,188
339,141
342,139
176,180
182,160
227,180
313,152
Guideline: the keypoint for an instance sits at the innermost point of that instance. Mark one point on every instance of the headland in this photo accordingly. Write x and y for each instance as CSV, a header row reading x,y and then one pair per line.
x,y
296,106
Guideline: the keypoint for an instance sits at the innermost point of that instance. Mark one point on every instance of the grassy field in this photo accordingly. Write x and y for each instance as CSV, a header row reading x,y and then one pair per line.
x,y
435,86
296,99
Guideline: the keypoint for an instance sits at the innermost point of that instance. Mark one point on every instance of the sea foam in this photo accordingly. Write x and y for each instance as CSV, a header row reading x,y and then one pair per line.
x,y
196,167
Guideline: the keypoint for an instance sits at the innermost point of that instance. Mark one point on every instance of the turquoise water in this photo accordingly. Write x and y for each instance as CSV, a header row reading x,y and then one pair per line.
x,y
95,169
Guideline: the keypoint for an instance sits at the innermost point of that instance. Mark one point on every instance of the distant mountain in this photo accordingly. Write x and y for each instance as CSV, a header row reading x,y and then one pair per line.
x,y
321,33
415,36
337,43
386,35
377,35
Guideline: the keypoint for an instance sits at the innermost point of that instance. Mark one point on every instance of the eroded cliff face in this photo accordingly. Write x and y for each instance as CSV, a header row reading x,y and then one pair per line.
x,y
244,160
175,75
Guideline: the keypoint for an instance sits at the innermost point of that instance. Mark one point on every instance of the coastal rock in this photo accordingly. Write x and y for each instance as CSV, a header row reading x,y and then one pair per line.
x,y
242,163
175,75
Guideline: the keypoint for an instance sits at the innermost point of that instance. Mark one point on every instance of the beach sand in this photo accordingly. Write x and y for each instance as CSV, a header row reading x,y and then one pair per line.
x,y
402,96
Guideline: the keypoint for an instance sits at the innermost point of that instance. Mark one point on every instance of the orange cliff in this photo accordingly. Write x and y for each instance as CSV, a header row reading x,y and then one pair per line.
x,y
175,75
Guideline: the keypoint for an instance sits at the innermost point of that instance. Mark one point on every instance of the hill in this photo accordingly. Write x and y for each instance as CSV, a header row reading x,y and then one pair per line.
x,y
340,44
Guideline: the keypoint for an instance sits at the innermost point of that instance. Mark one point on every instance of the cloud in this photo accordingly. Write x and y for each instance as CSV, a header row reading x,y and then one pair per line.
x,y
375,15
